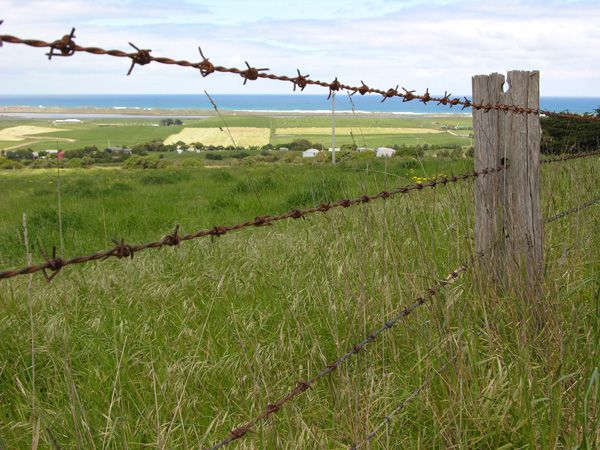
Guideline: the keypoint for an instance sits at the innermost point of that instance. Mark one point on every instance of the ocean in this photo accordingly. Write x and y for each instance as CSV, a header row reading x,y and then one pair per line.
x,y
298,102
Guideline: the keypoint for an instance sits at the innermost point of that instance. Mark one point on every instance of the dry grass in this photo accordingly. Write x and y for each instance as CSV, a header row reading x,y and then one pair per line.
x,y
345,131
22,132
244,136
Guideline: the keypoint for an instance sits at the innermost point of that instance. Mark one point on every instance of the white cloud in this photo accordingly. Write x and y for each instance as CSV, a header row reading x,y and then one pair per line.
x,y
411,43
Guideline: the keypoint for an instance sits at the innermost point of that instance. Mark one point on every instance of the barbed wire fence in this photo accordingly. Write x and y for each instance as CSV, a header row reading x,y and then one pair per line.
x,y
66,46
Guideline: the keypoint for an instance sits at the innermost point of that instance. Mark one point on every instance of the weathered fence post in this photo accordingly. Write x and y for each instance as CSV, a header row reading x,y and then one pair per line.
x,y
507,204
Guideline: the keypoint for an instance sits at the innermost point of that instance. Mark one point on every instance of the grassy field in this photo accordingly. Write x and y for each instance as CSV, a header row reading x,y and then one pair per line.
x,y
243,136
367,131
177,346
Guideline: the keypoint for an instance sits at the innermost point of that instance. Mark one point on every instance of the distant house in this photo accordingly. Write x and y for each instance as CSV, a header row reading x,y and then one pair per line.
x,y
67,121
35,155
310,153
337,149
283,149
363,149
50,152
179,151
118,151
384,152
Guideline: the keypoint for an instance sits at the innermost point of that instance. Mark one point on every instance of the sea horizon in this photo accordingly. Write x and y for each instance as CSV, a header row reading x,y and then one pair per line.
x,y
268,103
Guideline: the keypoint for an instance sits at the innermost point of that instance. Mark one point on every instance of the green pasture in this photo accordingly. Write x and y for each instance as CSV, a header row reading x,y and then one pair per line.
x,y
175,347
132,131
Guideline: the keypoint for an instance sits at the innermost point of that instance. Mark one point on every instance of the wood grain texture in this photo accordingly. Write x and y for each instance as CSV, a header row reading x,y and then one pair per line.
x,y
508,203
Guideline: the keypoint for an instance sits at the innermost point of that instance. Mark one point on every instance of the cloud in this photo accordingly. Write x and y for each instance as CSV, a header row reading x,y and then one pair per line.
x,y
415,44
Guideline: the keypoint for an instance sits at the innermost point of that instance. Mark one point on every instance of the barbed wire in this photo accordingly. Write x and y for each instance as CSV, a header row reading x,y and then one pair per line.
x,y
121,249
570,211
66,46
388,417
302,386
569,157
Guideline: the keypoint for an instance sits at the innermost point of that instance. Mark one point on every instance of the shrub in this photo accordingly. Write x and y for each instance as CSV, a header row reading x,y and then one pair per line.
x,y
74,163
43,164
6,164
214,156
141,162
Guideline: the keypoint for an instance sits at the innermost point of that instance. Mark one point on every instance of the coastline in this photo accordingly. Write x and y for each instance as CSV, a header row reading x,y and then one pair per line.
x,y
30,112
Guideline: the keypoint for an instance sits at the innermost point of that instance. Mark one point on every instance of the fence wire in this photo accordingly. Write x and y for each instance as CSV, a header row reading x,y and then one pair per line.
x,y
574,210
66,46
55,263
388,417
302,386
569,157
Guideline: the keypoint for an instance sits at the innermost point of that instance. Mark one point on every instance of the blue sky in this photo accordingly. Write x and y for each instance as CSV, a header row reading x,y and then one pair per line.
x,y
414,43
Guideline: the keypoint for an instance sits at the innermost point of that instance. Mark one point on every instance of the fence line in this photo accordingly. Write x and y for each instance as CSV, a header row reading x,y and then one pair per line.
x,y
388,417
570,211
66,46
569,157
123,250
302,386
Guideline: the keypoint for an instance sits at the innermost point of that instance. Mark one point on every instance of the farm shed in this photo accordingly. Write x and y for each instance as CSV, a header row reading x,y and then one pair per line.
x,y
384,152
310,153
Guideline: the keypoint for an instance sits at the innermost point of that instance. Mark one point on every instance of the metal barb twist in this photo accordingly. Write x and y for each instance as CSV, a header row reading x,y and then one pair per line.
x,y
65,45
142,57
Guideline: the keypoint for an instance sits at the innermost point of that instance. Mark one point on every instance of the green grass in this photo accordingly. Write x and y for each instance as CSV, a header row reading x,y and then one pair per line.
x,y
131,131
177,346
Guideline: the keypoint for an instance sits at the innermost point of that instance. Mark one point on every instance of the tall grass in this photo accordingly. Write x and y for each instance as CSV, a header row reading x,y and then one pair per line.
x,y
174,348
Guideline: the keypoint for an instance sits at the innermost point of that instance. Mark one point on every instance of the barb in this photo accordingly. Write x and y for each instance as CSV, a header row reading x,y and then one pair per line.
x,y
569,157
68,47
388,418
568,212
302,386
356,119
122,250
214,105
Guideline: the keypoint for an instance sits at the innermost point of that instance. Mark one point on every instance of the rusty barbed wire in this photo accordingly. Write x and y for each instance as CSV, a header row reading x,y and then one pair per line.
x,y
570,211
122,250
66,46
569,157
304,385
388,417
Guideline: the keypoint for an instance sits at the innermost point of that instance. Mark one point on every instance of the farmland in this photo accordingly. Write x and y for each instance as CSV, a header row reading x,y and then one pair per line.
x,y
247,130
175,347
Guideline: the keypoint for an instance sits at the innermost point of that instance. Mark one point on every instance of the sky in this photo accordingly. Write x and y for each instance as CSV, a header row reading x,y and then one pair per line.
x,y
435,44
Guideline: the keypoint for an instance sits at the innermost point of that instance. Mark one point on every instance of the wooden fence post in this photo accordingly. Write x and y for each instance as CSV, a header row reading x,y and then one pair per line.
x,y
507,204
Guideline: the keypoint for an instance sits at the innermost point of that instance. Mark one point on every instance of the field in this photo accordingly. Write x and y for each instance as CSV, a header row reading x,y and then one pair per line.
x,y
175,347
246,130
345,131
244,137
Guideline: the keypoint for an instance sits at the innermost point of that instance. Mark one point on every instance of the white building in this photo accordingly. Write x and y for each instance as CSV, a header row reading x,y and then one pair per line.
x,y
384,152
67,121
283,149
337,149
310,153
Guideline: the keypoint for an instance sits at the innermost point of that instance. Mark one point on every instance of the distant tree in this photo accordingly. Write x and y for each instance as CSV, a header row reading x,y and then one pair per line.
x,y
569,136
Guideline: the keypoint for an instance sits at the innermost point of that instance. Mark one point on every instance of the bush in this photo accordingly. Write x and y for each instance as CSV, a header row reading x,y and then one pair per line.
x,y
6,164
74,163
141,162
43,164
214,156
189,163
